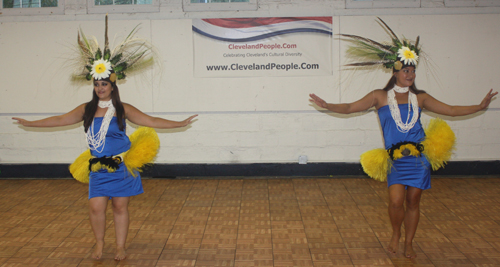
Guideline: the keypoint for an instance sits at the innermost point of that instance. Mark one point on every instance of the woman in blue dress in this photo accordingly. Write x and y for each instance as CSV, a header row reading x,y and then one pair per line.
x,y
119,185
104,122
399,106
410,175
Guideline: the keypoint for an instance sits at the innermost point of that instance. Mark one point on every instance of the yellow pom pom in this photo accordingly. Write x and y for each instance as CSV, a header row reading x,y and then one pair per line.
x,y
145,145
96,167
80,168
397,154
413,150
439,143
376,163
99,166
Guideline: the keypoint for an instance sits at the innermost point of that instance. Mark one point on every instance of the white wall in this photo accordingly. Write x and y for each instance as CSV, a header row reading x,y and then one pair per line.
x,y
246,120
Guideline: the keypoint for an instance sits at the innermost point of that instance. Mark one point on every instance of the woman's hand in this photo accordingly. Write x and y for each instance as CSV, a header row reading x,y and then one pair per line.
x,y
23,122
189,120
318,101
487,99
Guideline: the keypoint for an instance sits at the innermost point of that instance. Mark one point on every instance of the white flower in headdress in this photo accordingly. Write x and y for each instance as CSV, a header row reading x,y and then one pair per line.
x,y
408,56
101,69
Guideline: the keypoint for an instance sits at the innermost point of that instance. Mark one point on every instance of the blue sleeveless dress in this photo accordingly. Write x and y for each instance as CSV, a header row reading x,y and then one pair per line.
x,y
409,170
119,183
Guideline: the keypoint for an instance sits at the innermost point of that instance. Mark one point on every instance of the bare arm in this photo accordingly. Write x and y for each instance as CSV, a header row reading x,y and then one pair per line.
x,y
72,117
368,101
138,117
436,106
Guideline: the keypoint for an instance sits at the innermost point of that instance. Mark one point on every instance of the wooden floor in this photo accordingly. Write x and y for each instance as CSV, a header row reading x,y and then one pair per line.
x,y
251,222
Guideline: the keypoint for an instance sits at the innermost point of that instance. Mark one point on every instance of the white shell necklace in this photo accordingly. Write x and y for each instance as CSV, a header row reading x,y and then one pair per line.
x,y
401,90
99,139
396,113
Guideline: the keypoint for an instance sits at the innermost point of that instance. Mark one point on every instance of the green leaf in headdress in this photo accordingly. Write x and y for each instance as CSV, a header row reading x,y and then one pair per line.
x,y
392,57
88,67
115,59
389,65
120,67
107,54
120,75
91,61
88,77
98,54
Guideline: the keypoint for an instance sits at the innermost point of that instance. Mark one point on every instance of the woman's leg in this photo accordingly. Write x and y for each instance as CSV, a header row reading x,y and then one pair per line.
x,y
97,208
412,216
396,214
120,213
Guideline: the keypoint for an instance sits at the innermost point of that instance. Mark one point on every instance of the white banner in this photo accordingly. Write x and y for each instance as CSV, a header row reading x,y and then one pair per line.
x,y
241,47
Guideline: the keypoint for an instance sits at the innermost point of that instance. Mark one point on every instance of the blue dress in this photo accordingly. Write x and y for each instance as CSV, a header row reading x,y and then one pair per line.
x,y
119,183
409,170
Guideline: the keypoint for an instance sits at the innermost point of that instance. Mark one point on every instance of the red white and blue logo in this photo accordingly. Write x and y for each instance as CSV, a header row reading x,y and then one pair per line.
x,y
254,29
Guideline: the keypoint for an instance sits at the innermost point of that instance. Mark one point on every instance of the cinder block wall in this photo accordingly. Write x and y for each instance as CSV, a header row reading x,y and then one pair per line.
x,y
246,120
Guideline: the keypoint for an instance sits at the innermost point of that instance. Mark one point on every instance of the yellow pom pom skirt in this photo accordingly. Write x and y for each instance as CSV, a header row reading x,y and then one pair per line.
x,y
408,162
117,175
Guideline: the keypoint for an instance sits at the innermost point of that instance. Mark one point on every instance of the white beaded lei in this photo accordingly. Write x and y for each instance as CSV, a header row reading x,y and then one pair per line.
x,y
396,113
99,139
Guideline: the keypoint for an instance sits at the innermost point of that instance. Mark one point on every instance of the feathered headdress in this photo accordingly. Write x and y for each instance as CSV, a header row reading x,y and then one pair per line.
x,y
395,55
132,54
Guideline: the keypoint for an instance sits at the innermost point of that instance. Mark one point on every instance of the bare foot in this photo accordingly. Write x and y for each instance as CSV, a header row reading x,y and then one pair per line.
x,y
409,252
120,254
97,254
394,243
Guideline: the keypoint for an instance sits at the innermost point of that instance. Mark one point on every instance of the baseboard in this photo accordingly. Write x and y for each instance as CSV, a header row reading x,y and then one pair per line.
x,y
333,169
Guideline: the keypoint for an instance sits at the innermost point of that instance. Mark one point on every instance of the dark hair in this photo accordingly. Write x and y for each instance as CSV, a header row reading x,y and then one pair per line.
x,y
91,108
392,82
